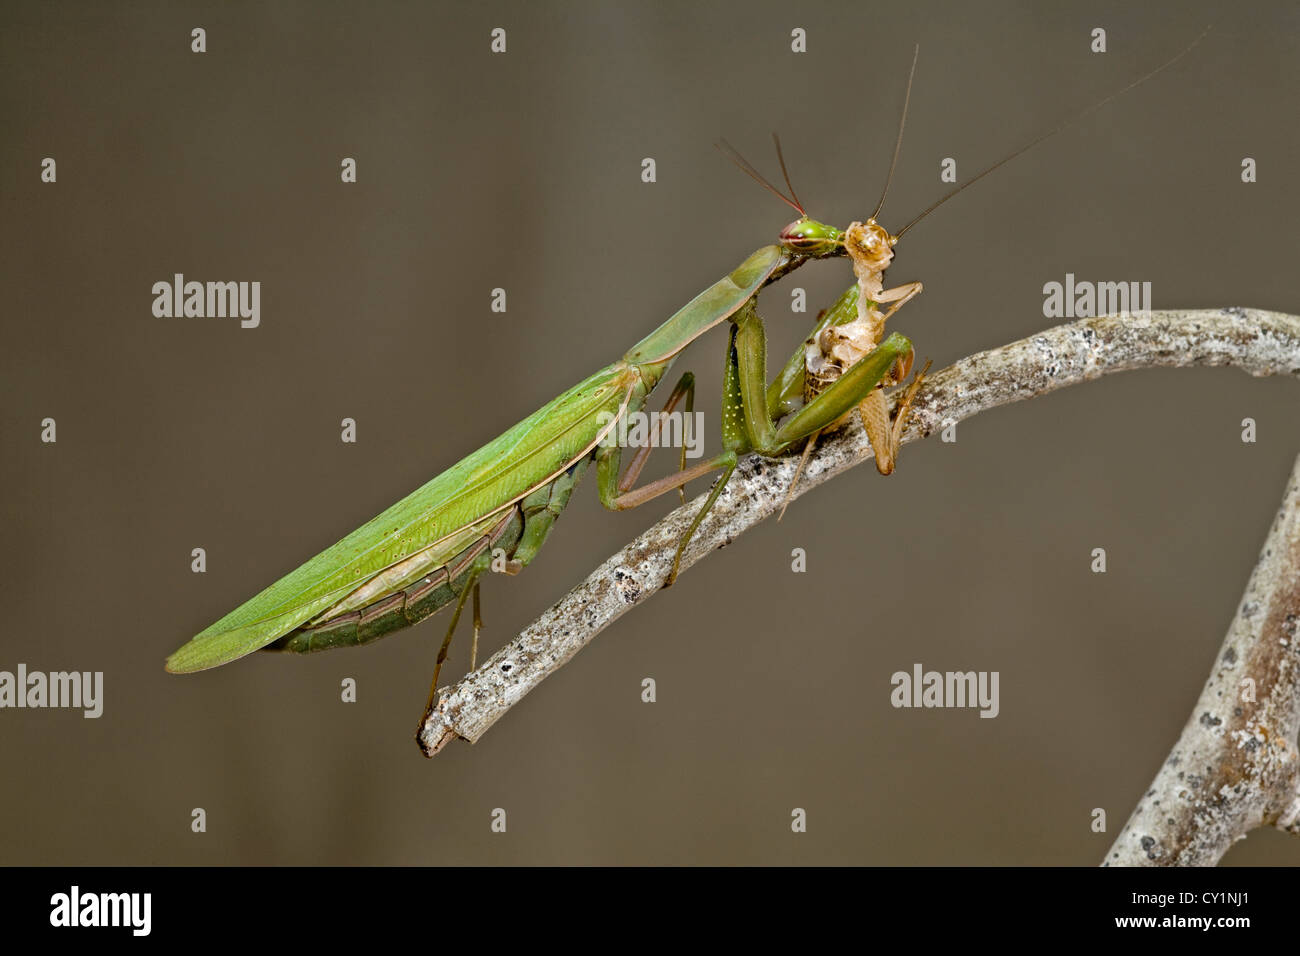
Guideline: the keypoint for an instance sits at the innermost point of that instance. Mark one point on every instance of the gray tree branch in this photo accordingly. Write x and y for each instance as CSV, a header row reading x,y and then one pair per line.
x,y
1258,342
1235,765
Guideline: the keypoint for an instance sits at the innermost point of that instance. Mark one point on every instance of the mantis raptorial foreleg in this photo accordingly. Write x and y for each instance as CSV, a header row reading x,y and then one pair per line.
x,y
747,422
765,436
836,342
885,436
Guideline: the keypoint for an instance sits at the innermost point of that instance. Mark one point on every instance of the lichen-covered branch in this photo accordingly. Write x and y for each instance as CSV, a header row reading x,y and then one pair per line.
x,y
1235,765
1260,343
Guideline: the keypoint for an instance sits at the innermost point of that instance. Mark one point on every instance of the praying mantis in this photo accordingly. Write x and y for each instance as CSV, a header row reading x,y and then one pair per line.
x,y
431,548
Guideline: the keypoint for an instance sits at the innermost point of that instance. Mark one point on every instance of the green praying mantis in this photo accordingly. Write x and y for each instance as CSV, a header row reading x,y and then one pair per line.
x,y
431,548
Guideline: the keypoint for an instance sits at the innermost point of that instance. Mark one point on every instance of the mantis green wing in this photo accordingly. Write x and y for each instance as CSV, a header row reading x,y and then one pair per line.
x,y
493,478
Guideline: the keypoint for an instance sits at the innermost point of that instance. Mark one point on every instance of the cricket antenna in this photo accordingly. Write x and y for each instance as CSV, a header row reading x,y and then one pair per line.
x,y
898,142
732,154
1070,121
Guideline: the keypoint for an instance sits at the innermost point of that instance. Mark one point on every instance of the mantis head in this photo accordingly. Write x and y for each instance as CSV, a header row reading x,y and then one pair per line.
x,y
808,237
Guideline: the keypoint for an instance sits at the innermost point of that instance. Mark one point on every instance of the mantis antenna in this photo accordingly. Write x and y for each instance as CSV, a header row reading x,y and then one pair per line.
x,y
780,158
793,199
734,155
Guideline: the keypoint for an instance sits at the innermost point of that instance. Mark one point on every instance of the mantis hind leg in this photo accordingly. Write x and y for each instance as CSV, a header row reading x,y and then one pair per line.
x,y
539,509
481,564
478,626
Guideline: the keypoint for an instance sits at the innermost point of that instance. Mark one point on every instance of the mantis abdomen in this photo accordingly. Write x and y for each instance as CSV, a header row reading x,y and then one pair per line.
x,y
517,532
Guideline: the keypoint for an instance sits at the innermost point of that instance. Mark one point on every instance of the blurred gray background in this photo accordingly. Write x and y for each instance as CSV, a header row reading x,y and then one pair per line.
x,y
523,171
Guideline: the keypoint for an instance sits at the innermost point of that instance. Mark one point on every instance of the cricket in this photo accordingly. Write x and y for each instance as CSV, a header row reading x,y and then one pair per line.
x,y
431,548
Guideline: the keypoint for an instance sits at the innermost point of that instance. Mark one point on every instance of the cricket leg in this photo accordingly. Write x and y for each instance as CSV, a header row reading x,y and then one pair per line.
x,y
874,410
899,296
886,436
803,463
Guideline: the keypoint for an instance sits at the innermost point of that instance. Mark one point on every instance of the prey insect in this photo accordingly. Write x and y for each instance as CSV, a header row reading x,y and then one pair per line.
x,y
842,337
851,329
854,325
431,549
